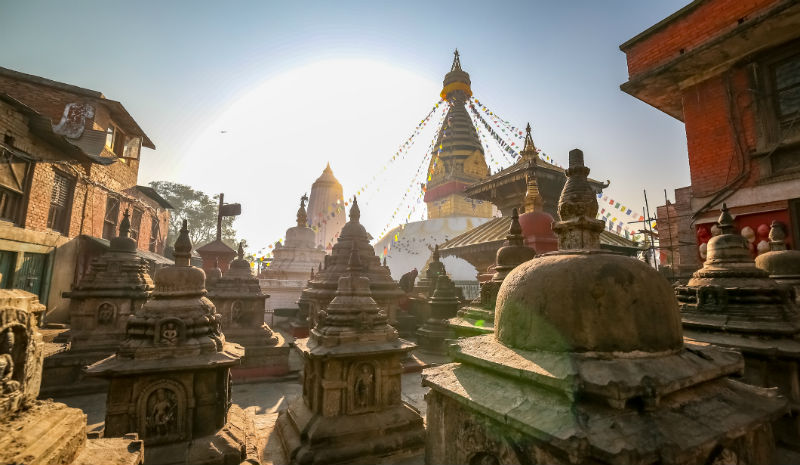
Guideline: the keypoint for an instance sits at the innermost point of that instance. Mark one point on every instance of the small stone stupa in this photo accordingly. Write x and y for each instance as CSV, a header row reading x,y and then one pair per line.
x,y
478,317
587,365
170,379
733,304
36,432
782,264
443,305
322,288
287,275
418,301
117,285
351,408
240,303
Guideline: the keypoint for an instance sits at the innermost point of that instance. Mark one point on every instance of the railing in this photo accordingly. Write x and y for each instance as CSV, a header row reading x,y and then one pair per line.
x,y
471,289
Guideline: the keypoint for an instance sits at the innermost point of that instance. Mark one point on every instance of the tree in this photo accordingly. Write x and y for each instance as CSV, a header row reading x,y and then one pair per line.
x,y
199,210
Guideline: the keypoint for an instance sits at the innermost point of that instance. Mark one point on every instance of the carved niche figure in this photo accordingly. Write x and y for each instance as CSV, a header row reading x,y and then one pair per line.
x,y
161,413
169,333
9,384
105,313
364,388
237,313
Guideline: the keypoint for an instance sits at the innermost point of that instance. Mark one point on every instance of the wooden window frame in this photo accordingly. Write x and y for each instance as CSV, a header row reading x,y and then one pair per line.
x,y
62,224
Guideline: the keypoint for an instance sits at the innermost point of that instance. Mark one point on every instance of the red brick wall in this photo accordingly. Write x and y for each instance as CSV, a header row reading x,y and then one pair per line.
x,y
706,21
715,111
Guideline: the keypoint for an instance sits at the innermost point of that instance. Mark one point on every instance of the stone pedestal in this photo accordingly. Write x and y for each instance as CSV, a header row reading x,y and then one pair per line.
x,y
240,303
733,304
587,365
434,334
42,432
351,410
170,379
478,317
117,285
322,288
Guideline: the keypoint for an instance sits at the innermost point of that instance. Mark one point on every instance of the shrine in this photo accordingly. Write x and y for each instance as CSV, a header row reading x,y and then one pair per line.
x,y
351,408
170,379
240,303
733,304
587,364
117,285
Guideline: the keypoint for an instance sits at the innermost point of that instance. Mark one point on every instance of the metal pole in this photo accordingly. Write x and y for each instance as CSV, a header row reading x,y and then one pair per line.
x,y
219,217
649,226
669,233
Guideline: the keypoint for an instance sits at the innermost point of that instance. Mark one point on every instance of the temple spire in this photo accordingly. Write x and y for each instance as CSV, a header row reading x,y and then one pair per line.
x,y
183,246
302,216
355,212
456,62
529,150
533,198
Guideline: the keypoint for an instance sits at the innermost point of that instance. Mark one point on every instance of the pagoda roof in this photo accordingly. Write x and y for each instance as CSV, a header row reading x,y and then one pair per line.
x,y
515,173
490,236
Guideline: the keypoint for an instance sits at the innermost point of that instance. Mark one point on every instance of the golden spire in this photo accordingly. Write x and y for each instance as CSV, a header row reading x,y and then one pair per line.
x,y
530,150
456,62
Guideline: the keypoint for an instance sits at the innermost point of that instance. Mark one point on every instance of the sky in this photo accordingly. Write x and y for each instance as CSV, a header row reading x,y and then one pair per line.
x,y
254,98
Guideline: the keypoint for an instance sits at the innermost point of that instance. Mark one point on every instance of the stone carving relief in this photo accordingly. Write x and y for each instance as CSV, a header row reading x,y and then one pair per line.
x,y
364,381
11,361
170,332
237,312
106,314
162,411
712,298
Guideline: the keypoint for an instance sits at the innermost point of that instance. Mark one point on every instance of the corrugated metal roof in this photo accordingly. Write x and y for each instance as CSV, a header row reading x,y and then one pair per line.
x,y
496,230
146,254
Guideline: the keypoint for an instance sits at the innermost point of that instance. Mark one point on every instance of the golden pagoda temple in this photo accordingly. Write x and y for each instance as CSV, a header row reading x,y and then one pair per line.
x,y
457,160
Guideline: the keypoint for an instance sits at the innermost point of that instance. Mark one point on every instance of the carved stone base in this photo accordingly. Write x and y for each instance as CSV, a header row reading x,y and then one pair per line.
x,y
433,338
50,432
384,436
231,445
63,374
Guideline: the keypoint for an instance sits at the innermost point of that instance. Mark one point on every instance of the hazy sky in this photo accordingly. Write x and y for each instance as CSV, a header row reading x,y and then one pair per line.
x,y
297,84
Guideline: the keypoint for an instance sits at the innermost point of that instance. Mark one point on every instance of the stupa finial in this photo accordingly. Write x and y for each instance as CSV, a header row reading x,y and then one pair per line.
x,y
355,212
354,262
515,229
529,150
302,216
436,252
533,198
725,221
777,235
240,251
183,246
577,208
125,225
456,62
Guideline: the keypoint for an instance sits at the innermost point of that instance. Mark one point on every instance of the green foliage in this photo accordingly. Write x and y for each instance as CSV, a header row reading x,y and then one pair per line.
x,y
199,210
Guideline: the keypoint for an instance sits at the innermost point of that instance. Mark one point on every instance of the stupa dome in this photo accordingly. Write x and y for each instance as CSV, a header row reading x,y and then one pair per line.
x,y
563,301
182,279
354,228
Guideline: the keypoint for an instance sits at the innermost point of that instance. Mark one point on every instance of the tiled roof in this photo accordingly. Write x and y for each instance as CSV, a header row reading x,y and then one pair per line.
x,y
496,230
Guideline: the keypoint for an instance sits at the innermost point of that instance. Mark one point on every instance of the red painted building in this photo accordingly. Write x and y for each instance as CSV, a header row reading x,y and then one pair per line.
x,y
69,165
730,70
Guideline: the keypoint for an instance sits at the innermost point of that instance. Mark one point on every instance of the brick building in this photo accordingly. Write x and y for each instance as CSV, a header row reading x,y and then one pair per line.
x,y
730,70
69,163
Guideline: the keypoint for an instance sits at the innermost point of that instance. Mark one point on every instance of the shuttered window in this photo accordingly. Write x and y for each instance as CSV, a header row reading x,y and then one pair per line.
x,y
60,203
787,88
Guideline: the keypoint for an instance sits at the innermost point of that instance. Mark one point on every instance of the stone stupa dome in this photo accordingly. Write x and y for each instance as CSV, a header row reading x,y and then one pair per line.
x,y
563,301
779,262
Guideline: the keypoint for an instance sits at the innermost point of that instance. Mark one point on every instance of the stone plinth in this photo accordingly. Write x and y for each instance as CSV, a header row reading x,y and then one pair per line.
x,y
434,334
287,275
42,432
117,285
240,303
733,304
170,379
322,288
783,265
587,364
351,409
478,317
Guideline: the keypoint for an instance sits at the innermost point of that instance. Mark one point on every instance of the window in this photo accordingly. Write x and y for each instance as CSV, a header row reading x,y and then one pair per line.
x,y
111,134
786,75
115,140
155,233
14,173
60,203
136,223
111,218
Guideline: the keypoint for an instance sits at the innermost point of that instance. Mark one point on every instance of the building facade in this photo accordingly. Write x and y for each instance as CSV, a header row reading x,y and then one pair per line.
x,y
730,70
71,162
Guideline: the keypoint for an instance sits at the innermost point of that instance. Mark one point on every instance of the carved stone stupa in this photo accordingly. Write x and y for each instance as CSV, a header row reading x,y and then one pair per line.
x,y
443,305
117,285
731,303
322,288
170,379
587,365
478,317
351,408
287,275
42,432
240,304
783,265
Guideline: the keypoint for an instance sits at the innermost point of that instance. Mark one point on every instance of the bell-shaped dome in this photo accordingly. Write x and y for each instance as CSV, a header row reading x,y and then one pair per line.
x,y
584,299
779,262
